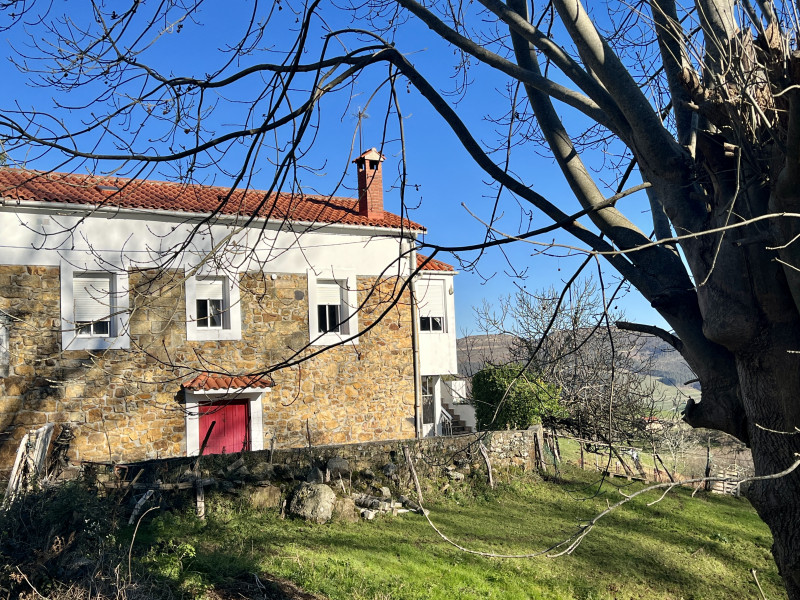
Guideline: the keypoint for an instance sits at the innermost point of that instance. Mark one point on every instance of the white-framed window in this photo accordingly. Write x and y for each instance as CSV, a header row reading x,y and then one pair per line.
x,y
213,310
332,307
431,304
93,295
94,309
428,399
329,308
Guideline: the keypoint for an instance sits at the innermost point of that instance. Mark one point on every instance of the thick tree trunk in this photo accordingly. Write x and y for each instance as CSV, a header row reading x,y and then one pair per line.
x,y
770,384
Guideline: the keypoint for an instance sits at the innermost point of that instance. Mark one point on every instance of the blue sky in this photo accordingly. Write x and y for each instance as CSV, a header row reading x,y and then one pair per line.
x,y
446,191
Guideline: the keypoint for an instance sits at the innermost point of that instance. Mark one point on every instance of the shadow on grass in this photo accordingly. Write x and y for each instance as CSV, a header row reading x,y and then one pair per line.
x,y
680,547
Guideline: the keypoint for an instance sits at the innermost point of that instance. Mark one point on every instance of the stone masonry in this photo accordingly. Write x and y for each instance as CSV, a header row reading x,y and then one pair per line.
x,y
127,405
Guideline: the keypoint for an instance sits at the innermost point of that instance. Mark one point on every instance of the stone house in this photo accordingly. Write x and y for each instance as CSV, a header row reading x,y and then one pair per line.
x,y
138,313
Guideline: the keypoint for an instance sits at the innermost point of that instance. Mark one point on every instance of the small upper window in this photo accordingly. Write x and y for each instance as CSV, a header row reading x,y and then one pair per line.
x,y
430,299
329,307
93,295
213,310
94,309
332,307
431,324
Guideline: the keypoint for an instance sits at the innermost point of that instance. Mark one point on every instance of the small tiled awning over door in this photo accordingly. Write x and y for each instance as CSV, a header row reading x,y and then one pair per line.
x,y
231,431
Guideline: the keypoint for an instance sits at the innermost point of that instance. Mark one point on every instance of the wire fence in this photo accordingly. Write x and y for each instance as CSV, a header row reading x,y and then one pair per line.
x,y
688,461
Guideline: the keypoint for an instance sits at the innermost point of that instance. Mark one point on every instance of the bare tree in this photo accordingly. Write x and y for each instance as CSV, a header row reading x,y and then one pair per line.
x,y
701,100
601,370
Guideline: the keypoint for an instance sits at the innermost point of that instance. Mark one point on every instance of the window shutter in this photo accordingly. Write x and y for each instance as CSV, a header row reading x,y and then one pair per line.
x,y
92,294
430,298
329,293
209,289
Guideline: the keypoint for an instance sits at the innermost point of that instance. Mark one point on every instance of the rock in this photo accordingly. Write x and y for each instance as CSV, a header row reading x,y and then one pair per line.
x,y
381,492
282,472
368,514
338,467
366,501
455,476
345,509
263,470
315,475
368,474
390,470
235,466
312,502
265,496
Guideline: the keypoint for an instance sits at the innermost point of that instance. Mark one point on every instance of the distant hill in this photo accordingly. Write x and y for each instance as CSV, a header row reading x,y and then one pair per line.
x,y
668,368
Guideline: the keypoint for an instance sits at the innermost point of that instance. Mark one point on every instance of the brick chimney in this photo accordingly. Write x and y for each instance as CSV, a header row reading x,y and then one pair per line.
x,y
370,184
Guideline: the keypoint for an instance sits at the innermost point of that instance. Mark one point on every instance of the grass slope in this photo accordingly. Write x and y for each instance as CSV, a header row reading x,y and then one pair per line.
x,y
681,547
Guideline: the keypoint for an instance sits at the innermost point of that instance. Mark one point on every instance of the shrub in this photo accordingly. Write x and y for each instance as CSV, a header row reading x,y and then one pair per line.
x,y
529,398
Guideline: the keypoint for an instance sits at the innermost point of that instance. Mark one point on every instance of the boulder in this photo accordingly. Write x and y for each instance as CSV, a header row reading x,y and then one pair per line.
x,y
315,475
265,496
312,502
382,492
345,509
338,467
389,470
263,470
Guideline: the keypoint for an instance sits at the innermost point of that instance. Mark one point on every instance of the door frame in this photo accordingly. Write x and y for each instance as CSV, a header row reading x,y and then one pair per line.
x,y
193,399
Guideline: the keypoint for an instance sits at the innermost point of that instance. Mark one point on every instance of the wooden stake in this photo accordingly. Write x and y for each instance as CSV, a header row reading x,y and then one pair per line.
x,y
665,468
410,464
200,493
485,455
16,471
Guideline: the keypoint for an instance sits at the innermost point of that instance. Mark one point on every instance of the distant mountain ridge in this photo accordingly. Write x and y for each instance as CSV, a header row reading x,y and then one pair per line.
x,y
668,366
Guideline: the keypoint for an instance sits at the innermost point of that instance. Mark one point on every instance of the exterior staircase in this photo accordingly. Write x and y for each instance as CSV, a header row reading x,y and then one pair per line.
x,y
457,426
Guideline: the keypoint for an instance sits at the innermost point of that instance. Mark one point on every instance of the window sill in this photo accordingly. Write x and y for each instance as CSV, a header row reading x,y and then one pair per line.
x,y
195,334
96,343
329,339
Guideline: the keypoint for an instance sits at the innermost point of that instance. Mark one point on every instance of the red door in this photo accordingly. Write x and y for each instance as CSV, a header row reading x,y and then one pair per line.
x,y
232,430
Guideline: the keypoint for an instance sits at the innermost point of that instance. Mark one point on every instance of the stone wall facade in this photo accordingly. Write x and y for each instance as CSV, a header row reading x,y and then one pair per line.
x,y
127,405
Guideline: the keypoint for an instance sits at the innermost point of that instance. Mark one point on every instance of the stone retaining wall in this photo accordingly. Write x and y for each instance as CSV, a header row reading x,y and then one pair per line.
x,y
430,455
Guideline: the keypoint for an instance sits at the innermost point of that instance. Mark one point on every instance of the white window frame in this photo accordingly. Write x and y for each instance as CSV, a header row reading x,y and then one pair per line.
x,y
119,334
422,287
232,310
346,279
255,399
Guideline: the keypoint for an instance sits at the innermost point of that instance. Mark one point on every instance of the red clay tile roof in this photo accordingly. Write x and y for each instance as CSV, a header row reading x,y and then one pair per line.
x,y
207,382
22,184
433,264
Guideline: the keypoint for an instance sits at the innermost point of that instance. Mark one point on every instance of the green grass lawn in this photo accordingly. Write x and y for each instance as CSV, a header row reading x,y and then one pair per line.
x,y
681,547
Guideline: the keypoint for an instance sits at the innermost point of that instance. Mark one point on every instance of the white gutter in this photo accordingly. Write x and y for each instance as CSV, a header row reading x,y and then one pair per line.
x,y
415,345
188,217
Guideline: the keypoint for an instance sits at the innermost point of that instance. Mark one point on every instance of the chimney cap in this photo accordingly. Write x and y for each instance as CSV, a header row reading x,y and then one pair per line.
x,y
371,154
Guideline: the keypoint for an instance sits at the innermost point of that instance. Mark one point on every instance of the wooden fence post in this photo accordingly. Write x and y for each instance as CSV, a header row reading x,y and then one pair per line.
x,y
198,482
485,455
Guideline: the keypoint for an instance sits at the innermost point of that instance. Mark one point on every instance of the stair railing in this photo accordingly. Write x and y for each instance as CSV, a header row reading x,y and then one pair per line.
x,y
446,422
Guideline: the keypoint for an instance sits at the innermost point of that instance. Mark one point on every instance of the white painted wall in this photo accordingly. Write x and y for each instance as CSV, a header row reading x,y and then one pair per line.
x,y
454,393
437,350
149,238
